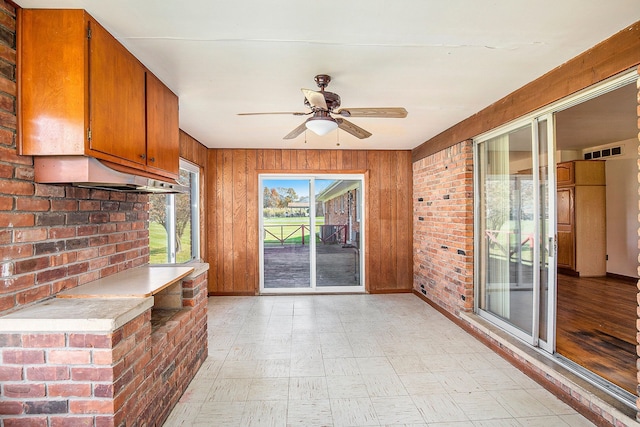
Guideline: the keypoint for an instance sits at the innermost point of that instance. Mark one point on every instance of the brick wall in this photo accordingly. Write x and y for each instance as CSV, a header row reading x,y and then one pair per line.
x,y
55,237
443,227
132,376
338,210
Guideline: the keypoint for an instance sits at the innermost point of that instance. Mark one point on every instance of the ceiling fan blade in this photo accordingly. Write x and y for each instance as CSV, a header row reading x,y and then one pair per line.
x,y
391,112
277,112
316,99
354,130
297,131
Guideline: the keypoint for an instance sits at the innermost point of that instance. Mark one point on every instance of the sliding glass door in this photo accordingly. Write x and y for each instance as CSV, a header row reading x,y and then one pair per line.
x,y
311,233
515,251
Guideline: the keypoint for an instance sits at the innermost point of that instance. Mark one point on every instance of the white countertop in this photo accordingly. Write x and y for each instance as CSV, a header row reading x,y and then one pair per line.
x,y
139,282
75,315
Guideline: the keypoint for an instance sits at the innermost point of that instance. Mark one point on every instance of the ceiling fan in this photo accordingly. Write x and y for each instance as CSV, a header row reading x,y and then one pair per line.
x,y
323,104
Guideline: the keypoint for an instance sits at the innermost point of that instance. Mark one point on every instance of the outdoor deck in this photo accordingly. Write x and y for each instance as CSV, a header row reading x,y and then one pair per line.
x,y
288,266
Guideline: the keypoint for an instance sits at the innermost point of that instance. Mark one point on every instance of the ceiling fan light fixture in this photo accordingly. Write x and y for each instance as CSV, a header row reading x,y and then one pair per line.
x,y
321,125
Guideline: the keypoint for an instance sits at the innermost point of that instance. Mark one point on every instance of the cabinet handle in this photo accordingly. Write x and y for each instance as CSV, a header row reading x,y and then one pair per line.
x,y
143,156
152,159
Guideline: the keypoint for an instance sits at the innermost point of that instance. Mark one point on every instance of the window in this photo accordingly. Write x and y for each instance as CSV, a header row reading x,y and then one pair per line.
x,y
173,221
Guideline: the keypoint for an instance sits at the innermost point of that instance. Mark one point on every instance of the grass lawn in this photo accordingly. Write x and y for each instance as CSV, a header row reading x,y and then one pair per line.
x,y
158,245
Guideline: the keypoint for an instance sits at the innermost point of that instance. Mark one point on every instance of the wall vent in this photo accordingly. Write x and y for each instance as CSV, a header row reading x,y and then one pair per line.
x,y
604,153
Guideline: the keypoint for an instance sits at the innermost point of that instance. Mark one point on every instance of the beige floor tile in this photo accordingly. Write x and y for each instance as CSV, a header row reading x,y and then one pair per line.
x,y
264,413
355,360
269,389
439,408
396,411
384,385
346,386
309,413
353,412
308,388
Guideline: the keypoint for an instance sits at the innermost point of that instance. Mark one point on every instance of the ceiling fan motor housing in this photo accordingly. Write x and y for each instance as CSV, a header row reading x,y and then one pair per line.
x,y
332,100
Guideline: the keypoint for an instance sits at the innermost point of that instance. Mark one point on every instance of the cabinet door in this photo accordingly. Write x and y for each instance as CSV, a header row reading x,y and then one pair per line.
x,y
117,100
565,173
566,227
163,134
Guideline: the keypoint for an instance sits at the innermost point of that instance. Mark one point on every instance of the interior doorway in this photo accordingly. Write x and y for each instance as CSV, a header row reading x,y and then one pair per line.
x,y
597,253
311,233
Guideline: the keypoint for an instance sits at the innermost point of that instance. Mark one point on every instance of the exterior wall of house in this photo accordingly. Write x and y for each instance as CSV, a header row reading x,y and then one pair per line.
x,y
232,188
338,210
443,227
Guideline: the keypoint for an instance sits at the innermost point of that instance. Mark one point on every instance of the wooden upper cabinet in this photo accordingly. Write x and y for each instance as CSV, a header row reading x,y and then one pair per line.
x,y
163,135
81,92
116,99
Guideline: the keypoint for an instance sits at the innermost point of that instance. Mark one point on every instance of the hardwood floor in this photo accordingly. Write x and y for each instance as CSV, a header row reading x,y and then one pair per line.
x,y
596,327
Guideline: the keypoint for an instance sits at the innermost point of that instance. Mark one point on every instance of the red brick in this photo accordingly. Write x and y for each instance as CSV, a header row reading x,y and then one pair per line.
x,y
62,233
77,193
33,294
10,408
91,374
47,373
23,357
10,373
6,203
63,258
93,406
45,190
68,421
17,220
102,357
25,173
51,274
17,283
89,253
31,265
24,390
69,357
89,341
17,188
64,284
43,340
67,389
31,204
103,390
30,235
26,422
64,205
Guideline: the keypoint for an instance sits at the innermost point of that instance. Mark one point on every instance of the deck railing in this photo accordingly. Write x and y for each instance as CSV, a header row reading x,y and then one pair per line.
x,y
327,233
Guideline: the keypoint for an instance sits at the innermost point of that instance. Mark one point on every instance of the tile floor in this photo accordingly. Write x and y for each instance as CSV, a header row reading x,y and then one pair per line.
x,y
355,360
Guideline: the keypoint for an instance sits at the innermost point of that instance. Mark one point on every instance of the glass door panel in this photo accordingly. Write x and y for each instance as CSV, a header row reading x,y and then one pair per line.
x,y
338,226
507,228
286,233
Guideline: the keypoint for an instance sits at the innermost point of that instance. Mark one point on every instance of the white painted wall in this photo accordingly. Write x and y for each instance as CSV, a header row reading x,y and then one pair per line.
x,y
622,211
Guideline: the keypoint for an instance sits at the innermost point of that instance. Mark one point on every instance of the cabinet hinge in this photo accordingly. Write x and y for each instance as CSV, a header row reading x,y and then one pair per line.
x,y
89,134
88,32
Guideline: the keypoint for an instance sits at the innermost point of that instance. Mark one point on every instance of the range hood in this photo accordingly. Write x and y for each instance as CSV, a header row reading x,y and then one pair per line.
x,y
82,171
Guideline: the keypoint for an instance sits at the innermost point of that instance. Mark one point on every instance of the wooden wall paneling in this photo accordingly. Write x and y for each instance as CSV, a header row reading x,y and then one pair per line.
x,y
228,224
362,159
387,221
286,159
404,190
313,161
234,246
301,159
239,215
374,242
212,219
324,159
252,218
608,58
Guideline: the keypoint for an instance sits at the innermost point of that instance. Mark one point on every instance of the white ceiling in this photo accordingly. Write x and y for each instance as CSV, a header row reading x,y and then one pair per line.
x,y
443,60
